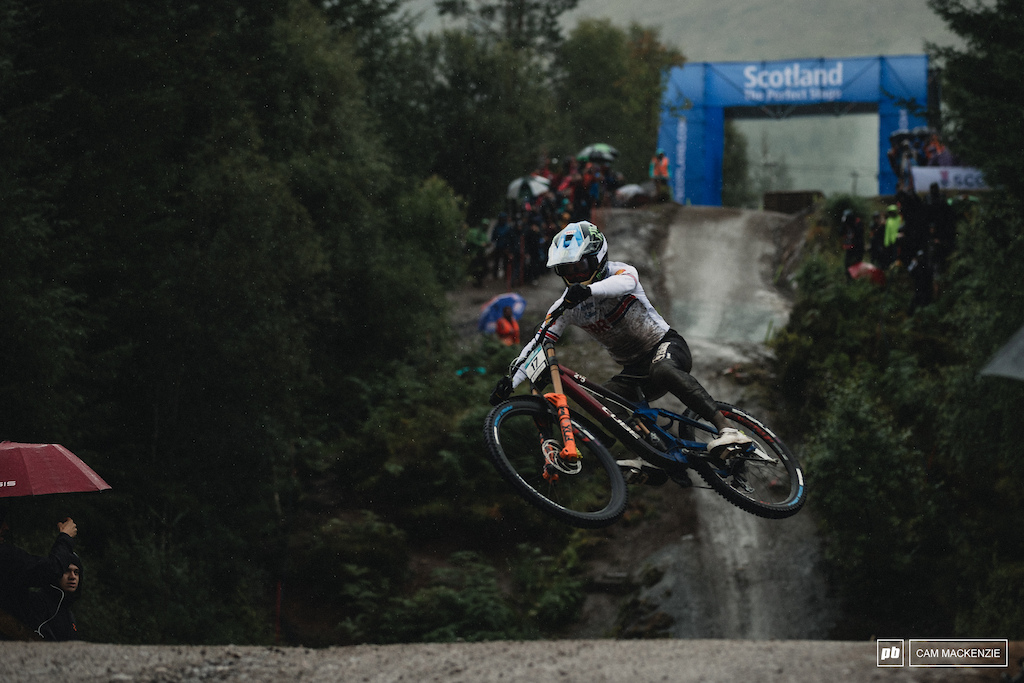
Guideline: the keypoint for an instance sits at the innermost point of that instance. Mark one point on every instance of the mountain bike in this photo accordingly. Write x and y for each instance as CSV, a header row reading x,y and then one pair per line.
x,y
559,460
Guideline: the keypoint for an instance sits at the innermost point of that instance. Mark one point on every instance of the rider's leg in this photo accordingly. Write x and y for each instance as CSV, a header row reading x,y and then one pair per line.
x,y
628,384
670,371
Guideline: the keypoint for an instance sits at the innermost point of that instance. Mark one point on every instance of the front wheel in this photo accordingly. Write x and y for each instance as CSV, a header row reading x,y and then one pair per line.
x,y
589,493
769,483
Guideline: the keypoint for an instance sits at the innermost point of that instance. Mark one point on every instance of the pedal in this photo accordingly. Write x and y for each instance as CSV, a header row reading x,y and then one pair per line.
x,y
632,475
646,476
723,456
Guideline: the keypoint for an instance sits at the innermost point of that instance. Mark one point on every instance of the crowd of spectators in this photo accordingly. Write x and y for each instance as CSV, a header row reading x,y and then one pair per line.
x,y
921,146
917,233
514,245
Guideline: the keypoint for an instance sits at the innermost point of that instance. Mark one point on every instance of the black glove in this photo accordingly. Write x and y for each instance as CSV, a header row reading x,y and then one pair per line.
x,y
502,390
576,295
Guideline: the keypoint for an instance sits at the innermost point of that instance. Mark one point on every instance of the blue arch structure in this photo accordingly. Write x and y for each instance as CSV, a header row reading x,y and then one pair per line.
x,y
699,97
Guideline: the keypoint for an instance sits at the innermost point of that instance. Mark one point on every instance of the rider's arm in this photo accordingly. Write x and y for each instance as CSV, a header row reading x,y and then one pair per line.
x,y
553,334
621,283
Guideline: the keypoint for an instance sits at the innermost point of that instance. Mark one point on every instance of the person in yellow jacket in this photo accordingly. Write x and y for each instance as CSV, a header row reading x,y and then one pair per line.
x,y
893,232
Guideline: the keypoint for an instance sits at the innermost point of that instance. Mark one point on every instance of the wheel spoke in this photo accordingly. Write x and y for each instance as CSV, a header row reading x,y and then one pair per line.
x,y
523,444
765,480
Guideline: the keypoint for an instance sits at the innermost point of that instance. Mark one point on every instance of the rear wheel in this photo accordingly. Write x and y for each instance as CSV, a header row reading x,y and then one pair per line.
x,y
522,439
768,482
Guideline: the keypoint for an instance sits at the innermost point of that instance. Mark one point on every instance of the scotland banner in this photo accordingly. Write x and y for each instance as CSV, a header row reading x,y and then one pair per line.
x,y
699,97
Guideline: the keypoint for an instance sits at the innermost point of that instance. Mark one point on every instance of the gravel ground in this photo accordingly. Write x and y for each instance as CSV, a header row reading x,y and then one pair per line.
x,y
593,661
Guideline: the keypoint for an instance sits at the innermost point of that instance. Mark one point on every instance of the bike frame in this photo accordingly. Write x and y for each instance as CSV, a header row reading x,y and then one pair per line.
x,y
568,383
583,391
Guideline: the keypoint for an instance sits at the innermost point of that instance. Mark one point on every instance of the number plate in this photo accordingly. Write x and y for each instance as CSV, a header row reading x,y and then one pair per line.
x,y
537,364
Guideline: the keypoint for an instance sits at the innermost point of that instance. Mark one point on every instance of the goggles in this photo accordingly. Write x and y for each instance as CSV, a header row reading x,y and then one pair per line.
x,y
575,273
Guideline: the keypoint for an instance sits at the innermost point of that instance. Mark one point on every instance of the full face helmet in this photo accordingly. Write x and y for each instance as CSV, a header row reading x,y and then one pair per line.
x,y
579,254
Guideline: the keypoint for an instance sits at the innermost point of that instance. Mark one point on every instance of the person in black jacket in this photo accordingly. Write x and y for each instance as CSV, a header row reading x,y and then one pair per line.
x,y
47,611
21,571
853,239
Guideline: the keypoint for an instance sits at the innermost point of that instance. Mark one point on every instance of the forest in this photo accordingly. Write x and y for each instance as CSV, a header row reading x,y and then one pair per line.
x,y
912,453
226,231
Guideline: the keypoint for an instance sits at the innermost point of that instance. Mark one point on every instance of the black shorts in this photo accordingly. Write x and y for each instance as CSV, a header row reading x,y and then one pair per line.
x,y
664,369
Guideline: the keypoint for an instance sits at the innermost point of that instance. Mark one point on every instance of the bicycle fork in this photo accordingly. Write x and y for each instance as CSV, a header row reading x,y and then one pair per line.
x,y
569,453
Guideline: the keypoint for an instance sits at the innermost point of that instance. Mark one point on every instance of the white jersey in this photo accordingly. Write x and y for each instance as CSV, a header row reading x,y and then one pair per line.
x,y
618,315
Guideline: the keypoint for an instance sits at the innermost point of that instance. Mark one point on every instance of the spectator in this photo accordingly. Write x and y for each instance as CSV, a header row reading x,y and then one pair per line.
x,y
914,249
936,153
21,571
533,246
853,239
47,611
896,139
941,221
893,233
580,199
907,161
596,188
505,237
919,141
877,240
507,327
477,243
658,172
613,180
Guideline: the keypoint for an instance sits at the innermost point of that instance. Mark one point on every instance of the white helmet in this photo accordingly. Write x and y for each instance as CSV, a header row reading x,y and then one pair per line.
x,y
579,254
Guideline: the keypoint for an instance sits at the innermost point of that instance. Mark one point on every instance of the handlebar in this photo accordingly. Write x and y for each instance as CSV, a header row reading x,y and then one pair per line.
x,y
541,331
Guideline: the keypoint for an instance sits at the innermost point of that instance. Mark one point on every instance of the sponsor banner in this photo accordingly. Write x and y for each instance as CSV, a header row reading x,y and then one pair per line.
x,y
966,652
948,178
795,82
707,93
680,155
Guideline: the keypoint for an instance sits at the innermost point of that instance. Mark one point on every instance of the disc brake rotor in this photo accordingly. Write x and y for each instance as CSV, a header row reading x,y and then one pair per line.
x,y
551,450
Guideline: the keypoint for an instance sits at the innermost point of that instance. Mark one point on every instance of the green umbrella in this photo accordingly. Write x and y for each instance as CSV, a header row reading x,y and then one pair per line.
x,y
598,152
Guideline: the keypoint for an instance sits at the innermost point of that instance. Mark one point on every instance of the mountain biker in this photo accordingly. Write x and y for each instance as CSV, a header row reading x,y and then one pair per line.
x,y
606,299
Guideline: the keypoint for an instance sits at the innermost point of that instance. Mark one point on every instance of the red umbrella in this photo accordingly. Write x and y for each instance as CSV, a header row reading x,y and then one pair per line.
x,y
34,469
869,271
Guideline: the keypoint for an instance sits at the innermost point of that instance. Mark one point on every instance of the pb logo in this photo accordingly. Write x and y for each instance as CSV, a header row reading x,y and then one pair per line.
x,y
890,653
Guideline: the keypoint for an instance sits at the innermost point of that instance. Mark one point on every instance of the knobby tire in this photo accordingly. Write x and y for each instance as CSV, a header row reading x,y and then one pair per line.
x,y
594,498
779,491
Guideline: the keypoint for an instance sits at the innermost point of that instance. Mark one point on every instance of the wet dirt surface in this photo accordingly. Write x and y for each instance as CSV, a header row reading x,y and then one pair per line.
x,y
737,575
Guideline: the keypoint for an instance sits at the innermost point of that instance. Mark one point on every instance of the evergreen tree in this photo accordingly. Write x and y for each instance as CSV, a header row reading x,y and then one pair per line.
x,y
609,87
984,103
523,24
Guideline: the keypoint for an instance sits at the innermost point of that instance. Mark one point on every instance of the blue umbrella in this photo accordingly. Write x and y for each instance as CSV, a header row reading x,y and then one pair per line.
x,y
492,310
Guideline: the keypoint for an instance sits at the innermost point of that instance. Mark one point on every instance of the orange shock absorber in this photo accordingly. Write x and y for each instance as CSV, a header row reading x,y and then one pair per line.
x,y
569,450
